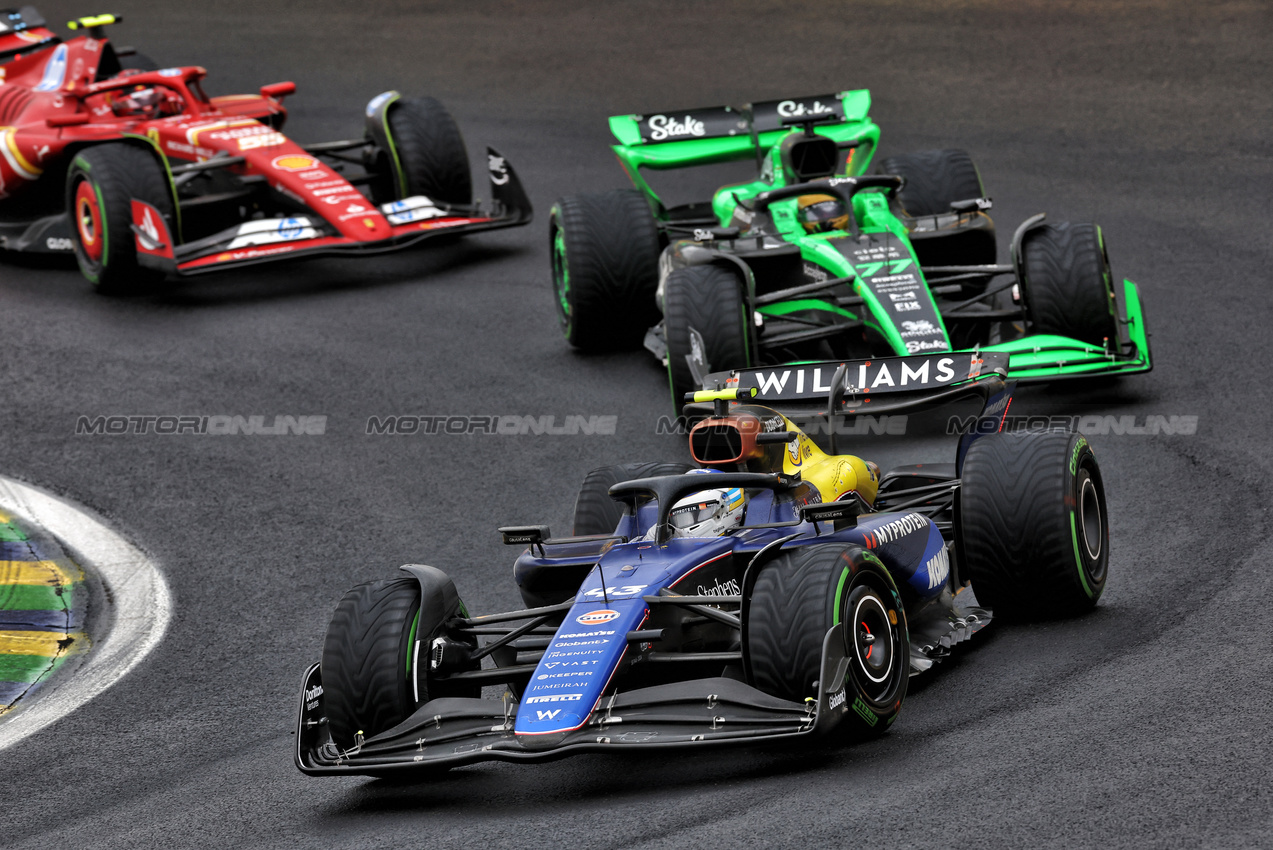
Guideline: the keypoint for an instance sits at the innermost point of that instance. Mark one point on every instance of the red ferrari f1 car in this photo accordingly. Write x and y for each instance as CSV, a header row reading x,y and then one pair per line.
x,y
142,175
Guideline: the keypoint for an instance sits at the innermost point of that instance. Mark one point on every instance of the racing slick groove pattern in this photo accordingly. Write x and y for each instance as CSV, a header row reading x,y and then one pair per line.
x,y
1017,496
611,247
1068,282
365,658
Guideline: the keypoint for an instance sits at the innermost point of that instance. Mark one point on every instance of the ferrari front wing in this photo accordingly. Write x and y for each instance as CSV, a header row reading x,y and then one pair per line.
x,y
410,221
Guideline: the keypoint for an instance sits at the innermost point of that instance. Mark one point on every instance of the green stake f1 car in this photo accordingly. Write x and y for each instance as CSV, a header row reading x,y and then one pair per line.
x,y
817,260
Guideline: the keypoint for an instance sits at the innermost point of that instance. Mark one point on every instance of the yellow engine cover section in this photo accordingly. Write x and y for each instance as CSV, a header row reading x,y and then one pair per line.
x,y
833,475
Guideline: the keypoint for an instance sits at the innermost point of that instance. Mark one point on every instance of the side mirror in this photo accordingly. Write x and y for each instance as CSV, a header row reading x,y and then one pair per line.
x,y
835,512
278,90
525,535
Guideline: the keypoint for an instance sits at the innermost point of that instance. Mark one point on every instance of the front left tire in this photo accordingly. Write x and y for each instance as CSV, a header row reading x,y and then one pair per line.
x,y
101,183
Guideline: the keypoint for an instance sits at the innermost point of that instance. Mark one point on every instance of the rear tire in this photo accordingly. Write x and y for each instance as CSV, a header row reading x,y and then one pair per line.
x,y
595,511
708,300
797,597
431,151
1068,287
934,180
101,184
605,257
1032,516
370,681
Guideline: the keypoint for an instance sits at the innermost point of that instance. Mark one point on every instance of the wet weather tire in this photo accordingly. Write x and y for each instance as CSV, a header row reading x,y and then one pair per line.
x,y
431,151
706,301
1068,287
595,511
101,184
370,679
605,256
800,595
1032,515
934,180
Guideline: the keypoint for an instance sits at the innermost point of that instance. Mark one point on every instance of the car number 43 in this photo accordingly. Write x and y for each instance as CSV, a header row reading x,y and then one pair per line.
x,y
625,590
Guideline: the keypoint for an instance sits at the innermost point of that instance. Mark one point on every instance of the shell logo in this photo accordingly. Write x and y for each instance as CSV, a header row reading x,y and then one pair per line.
x,y
596,618
294,162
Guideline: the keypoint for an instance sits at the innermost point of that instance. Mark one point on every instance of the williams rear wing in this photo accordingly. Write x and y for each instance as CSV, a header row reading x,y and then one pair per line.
x,y
806,392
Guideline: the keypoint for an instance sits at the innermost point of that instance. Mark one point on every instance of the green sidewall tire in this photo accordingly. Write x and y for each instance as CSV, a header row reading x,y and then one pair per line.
x,y
366,662
605,263
118,172
795,599
431,151
1034,524
1069,290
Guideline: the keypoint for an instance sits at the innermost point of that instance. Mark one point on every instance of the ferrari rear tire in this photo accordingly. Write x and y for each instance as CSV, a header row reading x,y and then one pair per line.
x,y
431,151
101,183
595,511
375,664
797,598
934,180
704,314
1034,524
1068,287
605,263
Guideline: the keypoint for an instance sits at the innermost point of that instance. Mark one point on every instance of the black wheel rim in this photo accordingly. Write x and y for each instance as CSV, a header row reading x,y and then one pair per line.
x,y
1089,519
873,644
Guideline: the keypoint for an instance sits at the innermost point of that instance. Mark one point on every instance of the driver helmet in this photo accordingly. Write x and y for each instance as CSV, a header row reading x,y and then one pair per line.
x,y
142,102
707,513
821,213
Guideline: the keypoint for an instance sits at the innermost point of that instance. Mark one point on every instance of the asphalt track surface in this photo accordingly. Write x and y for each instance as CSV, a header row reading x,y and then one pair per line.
x,y
1145,723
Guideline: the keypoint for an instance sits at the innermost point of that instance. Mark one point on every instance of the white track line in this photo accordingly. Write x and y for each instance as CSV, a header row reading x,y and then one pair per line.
x,y
141,606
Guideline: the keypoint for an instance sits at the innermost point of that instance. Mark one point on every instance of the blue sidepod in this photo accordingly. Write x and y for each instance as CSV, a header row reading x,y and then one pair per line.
x,y
910,546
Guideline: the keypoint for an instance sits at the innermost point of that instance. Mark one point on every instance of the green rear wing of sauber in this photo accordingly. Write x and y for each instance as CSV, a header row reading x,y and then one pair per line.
x,y
694,137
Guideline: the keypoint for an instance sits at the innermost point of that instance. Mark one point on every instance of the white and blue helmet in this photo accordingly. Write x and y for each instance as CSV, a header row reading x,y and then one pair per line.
x,y
707,513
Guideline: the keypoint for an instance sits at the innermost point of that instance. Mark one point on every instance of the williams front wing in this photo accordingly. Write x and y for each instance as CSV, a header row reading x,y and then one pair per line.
x,y
699,713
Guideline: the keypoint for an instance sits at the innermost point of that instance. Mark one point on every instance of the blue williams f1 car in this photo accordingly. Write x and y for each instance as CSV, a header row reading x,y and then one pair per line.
x,y
775,592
